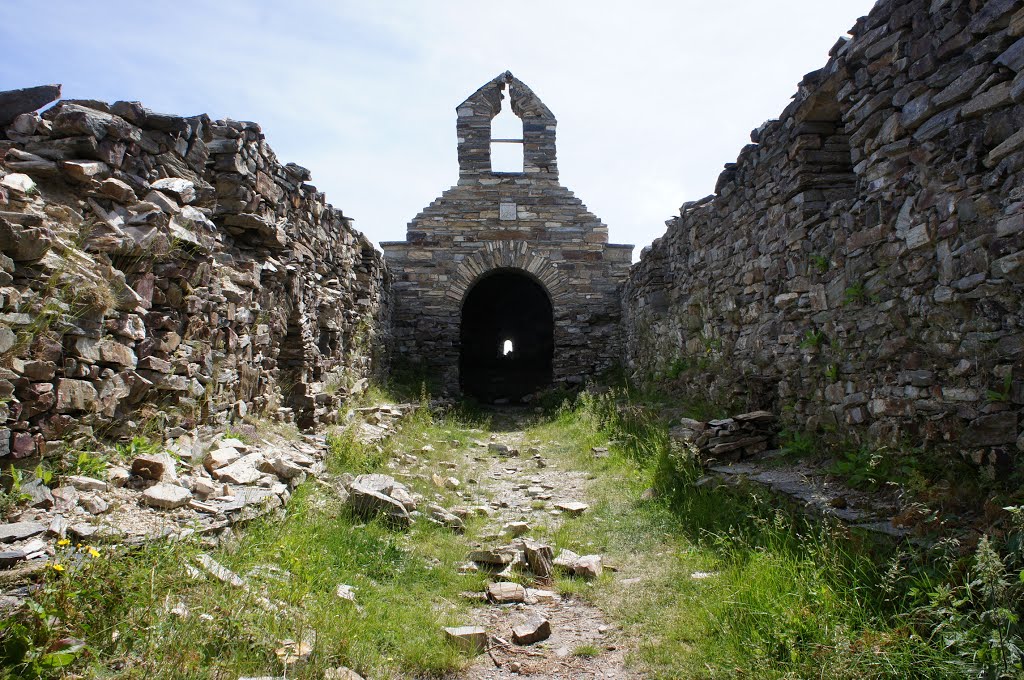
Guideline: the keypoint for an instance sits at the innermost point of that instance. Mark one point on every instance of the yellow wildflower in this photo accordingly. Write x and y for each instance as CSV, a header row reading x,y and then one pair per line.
x,y
64,541
94,552
57,567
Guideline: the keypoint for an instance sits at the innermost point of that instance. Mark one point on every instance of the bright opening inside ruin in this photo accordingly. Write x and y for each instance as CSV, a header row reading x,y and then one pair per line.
x,y
506,140
509,310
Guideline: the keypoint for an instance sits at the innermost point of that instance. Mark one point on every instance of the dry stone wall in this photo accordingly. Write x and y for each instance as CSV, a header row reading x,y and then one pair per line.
x,y
160,272
859,267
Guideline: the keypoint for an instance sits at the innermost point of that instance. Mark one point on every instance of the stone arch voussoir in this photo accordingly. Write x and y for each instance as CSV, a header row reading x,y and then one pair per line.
x,y
507,255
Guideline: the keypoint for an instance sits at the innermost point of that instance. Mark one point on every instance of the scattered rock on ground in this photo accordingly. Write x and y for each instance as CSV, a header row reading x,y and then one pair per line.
x,y
470,639
534,630
166,496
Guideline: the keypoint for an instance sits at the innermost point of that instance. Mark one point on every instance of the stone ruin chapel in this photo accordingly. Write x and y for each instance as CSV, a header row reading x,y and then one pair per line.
x,y
506,283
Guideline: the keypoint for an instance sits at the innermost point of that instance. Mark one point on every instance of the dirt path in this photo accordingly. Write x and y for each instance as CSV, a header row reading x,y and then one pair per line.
x,y
525,488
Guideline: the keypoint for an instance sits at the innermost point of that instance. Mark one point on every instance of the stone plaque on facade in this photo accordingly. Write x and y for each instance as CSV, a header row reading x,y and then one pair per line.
x,y
506,211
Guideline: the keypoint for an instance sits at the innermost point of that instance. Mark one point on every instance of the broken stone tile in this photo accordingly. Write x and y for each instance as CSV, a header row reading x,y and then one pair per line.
x,y
83,483
588,567
470,639
159,467
166,496
515,529
16,531
219,571
534,630
571,507
242,471
505,592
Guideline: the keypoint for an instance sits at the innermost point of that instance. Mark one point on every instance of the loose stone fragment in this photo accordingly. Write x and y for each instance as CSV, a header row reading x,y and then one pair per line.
x,y
16,531
540,558
496,557
242,471
538,596
83,483
16,102
219,571
341,673
93,504
221,457
571,507
470,639
515,529
505,592
166,496
445,518
159,467
292,652
566,560
588,566
532,631
370,503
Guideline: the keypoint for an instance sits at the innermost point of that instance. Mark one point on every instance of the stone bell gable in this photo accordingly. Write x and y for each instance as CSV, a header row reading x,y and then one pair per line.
x,y
507,256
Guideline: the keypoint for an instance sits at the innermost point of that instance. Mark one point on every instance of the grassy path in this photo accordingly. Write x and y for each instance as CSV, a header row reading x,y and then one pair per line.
x,y
706,586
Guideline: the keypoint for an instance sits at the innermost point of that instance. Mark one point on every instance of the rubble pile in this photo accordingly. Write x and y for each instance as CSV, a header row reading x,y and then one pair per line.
x,y
735,438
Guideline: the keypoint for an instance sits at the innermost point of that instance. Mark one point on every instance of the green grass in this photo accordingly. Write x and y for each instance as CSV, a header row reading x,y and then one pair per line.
x,y
779,595
705,581
586,651
406,584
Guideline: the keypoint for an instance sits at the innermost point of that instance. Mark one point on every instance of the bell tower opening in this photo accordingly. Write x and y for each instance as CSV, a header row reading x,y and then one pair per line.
x,y
506,140
507,335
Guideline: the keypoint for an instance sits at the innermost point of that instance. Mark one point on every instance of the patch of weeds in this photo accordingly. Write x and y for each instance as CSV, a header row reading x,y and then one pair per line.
x,y
137,446
347,454
821,263
799,444
832,372
1001,395
586,651
855,294
869,468
812,339
244,437
11,494
77,462
678,366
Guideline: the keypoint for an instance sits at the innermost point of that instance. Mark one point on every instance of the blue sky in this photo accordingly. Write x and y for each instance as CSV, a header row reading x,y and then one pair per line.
x,y
652,97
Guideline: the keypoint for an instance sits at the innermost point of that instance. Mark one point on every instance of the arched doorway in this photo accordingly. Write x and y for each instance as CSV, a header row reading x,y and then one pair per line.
x,y
507,337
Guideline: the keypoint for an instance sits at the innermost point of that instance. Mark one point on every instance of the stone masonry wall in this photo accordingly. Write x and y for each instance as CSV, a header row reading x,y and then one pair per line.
x,y
161,272
859,267
521,221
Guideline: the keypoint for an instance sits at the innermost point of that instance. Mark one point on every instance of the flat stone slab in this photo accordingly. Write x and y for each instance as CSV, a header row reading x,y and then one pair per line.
x,y
505,592
166,496
13,103
470,639
16,531
496,557
571,507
